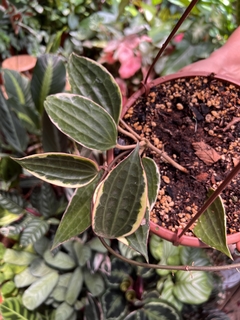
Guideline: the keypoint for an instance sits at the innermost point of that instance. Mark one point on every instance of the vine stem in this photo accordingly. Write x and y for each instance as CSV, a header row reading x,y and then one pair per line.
x,y
167,267
151,146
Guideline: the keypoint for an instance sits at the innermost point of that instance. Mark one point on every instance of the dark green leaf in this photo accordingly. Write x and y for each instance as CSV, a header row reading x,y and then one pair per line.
x,y
11,127
12,309
41,245
193,256
92,309
160,309
45,200
120,270
82,252
60,169
35,229
114,304
49,77
76,218
153,179
82,120
92,80
211,226
120,200
39,291
10,205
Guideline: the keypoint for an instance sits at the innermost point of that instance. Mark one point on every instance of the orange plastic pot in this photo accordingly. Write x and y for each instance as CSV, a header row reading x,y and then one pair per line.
x,y
154,228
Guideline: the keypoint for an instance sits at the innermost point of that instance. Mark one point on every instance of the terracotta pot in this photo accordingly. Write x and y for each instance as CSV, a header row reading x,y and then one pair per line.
x,y
21,63
156,229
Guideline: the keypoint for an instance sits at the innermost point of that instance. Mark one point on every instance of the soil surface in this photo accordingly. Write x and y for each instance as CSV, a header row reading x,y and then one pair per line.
x,y
196,121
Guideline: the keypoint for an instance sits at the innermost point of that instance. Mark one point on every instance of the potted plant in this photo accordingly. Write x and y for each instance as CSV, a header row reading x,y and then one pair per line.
x,y
115,196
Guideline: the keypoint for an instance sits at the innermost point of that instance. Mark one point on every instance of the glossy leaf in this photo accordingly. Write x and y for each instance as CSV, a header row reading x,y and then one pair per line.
x,y
153,179
35,229
76,218
49,77
24,279
139,239
211,226
192,288
114,304
74,286
20,258
64,311
11,127
12,309
94,283
39,291
61,169
120,200
90,79
82,120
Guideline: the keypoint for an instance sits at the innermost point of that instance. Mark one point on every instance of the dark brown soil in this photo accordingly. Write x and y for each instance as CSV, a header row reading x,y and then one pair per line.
x,y
180,117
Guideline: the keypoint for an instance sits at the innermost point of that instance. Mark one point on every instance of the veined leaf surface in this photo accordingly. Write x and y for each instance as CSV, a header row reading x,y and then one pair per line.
x,y
90,79
211,226
120,200
12,309
61,169
82,120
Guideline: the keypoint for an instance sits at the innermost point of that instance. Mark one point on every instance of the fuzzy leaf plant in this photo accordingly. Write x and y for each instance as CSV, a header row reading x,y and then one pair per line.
x,y
113,195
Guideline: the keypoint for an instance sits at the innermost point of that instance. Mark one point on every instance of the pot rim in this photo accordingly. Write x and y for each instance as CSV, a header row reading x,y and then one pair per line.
x,y
166,234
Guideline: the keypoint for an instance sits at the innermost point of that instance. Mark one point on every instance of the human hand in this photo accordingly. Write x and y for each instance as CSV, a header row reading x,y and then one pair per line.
x,y
224,61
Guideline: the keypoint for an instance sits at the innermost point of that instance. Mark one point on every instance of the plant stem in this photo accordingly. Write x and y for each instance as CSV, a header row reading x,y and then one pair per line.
x,y
167,267
127,147
151,146
126,133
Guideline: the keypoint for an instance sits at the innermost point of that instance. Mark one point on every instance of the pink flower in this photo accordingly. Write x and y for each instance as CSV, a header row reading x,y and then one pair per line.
x,y
130,67
179,37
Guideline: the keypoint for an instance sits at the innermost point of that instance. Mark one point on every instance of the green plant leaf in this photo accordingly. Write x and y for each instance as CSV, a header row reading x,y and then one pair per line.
x,y
92,309
76,218
120,200
192,288
167,293
11,127
153,179
211,226
24,279
114,305
41,245
12,309
83,253
94,282
64,311
35,229
61,169
59,293
60,261
75,286
82,120
10,205
139,239
38,268
49,77
120,270
193,256
39,291
96,245
7,288
90,79
20,258
5,219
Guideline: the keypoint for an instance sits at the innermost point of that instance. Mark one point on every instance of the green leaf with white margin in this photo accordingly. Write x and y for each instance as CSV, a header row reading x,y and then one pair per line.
x,y
74,286
114,304
11,127
39,291
94,282
120,200
20,258
153,179
24,279
35,229
64,311
211,226
192,288
82,120
90,79
61,260
61,169
12,309
139,239
49,77
155,309
77,217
